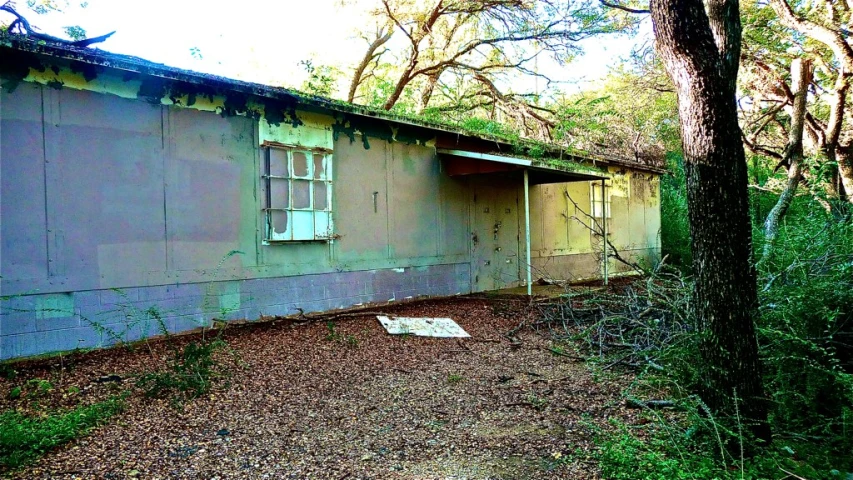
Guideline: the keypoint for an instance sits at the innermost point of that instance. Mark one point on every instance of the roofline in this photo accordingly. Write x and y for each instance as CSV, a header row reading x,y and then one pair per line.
x,y
141,66
487,156
523,162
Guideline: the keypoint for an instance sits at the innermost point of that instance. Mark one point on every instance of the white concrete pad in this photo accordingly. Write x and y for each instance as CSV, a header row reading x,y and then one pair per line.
x,y
422,327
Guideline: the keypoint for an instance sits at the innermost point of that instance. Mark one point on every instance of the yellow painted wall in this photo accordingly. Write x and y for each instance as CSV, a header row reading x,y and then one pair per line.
x,y
563,245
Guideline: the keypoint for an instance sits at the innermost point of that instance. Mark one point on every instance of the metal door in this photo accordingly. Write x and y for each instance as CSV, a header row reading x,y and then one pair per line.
x,y
494,236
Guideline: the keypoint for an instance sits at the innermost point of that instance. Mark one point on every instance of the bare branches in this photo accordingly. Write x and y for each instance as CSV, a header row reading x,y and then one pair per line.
x,y
627,329
487,35
597,229
624,8
383,35
23,26
829,37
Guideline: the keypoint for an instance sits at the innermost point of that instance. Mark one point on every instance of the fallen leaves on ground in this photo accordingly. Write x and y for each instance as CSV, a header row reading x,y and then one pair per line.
x,y
360,405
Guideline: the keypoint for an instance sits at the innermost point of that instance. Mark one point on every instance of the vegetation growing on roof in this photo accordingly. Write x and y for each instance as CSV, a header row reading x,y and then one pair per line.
x,y
159,84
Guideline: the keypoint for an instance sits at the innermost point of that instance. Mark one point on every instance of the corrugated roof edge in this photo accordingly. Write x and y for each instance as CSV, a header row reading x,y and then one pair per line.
x,y
139,65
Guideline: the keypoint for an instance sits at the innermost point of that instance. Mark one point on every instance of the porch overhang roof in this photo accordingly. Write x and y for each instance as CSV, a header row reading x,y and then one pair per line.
x,y
464,162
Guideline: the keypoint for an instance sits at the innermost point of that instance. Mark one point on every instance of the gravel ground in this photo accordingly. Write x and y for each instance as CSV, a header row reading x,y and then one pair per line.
x,y
365,405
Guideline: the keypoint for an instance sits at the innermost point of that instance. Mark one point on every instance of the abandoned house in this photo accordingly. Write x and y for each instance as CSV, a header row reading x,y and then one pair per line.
x,y
137,198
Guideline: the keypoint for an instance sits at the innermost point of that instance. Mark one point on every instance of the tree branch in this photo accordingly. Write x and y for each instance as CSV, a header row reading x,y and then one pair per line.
x,y
20,21
624,8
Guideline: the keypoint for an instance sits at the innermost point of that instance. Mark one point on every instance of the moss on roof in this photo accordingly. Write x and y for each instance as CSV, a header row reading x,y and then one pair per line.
x,y
83,59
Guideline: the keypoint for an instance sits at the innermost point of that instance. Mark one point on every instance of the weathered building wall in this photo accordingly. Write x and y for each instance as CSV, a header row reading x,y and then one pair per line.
x,y
563,245
127,214
122,219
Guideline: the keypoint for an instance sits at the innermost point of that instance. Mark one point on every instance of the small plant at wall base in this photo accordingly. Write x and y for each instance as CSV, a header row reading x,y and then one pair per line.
x,y
190,372
332,335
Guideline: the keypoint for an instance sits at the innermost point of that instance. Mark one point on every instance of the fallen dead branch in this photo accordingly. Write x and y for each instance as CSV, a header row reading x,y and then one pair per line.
x,y
303,319
651,404
628,326
564,354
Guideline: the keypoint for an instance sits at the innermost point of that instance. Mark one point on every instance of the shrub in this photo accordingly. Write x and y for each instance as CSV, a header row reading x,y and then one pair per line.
x,y
675,229
190,373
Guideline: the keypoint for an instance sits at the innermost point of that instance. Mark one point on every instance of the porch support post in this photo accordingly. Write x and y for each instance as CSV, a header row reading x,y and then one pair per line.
x,y
527,232
604,231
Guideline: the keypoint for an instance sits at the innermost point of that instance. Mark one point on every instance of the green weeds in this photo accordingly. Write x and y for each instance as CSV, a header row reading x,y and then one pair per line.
x,y
190,372
805,335
333,335
25,437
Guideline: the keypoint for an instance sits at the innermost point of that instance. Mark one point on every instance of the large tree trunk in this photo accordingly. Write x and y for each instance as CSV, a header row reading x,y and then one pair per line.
x,y
801,77
701,51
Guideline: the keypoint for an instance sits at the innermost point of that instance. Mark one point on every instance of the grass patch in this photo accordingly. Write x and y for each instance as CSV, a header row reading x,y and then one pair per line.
x,y
24,438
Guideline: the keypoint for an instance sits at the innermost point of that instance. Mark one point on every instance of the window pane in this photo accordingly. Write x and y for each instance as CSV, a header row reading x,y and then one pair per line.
x,y
303,225
320,166
278,162
278,228
300,165
279,193
301,194
321,225
320,198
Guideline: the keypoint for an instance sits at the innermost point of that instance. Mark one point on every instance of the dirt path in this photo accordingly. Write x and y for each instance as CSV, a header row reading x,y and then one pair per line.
x,y
361,405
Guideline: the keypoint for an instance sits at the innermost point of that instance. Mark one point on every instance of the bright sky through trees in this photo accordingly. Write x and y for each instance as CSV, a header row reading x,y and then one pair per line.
x,y
264,41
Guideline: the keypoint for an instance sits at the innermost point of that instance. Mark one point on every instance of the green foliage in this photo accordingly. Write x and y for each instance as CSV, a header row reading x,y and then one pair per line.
x,y
675,227
805,334
485,127
537,402
624,117
662,450
658,455
37,387
75,32
806,324
7,371
15,393
454,378
24,437
32,389
190,372
321,80
334,336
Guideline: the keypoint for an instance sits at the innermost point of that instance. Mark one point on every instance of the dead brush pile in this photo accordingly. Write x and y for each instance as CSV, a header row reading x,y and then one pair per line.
x,y
629,323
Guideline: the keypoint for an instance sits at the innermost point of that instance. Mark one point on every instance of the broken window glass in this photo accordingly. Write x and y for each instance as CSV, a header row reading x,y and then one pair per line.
x,y
300,165
298,194
301,194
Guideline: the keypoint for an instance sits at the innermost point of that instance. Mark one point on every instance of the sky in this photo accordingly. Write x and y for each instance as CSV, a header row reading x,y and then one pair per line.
x,y
263,40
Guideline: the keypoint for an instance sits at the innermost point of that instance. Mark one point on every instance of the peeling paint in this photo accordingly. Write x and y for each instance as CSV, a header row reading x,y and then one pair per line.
x,y
350,126
315,131
619,183
154,90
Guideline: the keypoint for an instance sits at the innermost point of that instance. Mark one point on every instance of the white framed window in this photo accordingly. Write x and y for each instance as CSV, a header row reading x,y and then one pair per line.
x,y
298,194
599,196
